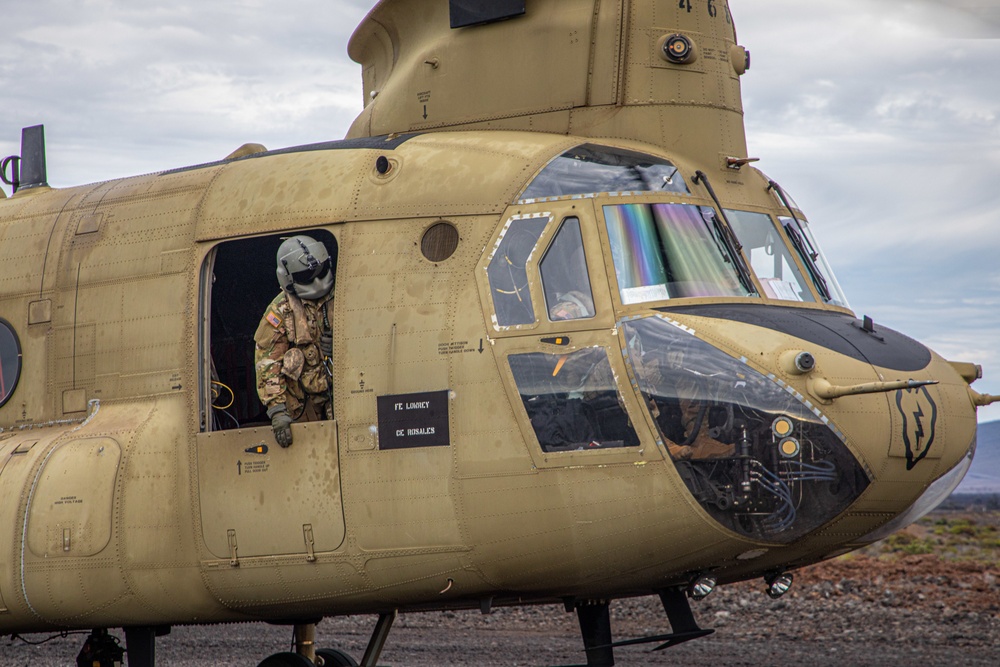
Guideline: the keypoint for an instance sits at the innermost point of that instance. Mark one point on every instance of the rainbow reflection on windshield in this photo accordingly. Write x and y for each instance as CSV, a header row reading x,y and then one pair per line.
x,y
668,251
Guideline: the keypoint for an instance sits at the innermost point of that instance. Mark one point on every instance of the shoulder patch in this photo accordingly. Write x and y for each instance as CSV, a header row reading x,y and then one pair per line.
x,y
273,319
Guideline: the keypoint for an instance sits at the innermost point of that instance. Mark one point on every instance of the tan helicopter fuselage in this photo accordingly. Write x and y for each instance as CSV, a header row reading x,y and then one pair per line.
x,y
127,498
121,506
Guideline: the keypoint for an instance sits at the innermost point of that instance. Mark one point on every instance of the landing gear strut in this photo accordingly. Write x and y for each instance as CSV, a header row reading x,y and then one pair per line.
x,y
377,642
141,644
307,655
305,641
595,625
101,649
104,650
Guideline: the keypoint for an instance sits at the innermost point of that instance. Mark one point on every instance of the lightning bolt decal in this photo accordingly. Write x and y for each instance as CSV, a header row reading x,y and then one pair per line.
x,y
919,423
919,430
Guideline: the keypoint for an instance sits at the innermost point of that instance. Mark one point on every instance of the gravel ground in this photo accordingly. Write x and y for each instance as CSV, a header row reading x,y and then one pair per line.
x,y
915,610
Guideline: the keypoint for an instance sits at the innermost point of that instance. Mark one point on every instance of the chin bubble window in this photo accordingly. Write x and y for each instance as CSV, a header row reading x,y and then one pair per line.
x,y
759,460
10,360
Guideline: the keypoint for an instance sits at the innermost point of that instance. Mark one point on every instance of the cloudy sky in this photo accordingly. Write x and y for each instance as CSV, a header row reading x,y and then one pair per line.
x,y
880,117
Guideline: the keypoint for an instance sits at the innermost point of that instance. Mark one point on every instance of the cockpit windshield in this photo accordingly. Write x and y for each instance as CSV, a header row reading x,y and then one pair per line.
x,y
769,257
805,245
590,169
802,239
669,251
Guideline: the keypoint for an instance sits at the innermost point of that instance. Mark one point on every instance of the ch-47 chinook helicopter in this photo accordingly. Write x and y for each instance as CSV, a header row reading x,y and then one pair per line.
x,y
583,351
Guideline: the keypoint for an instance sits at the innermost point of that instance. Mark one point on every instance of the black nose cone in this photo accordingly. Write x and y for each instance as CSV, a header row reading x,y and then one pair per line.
x,y
880,346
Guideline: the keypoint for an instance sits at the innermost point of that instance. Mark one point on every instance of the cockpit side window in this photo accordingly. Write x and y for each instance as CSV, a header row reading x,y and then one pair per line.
x,y
565,280
508,272
769,257
572,400
590,169
798,232
669,251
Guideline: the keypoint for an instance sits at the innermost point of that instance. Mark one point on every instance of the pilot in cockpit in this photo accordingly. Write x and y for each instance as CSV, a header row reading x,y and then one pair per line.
x,y
565,278
677,404
572,305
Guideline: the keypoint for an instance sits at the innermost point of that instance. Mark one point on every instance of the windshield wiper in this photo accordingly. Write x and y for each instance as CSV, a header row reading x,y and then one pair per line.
x,y
802,245
725,231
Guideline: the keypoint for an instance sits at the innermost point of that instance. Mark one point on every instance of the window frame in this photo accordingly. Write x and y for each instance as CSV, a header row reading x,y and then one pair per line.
x,y
562,224
530,268
647,451
593,244
806,285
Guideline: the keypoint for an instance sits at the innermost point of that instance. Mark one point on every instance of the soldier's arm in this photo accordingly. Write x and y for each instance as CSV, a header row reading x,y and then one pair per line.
x,y
271,343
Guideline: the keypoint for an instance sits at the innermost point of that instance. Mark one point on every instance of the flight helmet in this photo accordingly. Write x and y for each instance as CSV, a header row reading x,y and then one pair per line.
x,y
304,268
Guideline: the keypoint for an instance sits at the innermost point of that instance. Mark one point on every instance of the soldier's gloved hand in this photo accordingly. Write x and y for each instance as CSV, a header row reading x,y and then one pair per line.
x,y
326,344
281,422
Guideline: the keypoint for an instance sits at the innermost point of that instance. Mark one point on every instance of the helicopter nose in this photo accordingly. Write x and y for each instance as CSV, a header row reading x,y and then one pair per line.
x,y
918,441
916,445
841,333
904,414
905,411
762,461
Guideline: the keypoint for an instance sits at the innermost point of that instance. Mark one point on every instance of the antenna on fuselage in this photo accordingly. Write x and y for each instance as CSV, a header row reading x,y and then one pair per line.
x,y
27,170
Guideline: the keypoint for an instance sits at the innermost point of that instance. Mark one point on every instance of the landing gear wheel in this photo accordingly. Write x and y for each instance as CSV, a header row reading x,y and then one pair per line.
x,y
333,657
286,660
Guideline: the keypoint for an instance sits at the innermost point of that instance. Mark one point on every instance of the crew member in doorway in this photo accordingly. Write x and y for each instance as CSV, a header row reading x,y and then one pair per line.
x,y
294,341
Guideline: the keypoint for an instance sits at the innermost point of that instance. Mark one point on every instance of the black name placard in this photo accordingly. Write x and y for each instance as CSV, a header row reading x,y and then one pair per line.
x,y
413,420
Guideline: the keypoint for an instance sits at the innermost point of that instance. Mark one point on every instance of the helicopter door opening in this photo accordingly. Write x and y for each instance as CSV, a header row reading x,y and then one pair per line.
x,y
242,284
253,501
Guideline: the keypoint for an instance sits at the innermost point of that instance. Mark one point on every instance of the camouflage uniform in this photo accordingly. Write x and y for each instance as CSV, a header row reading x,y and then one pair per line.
x,y
289,363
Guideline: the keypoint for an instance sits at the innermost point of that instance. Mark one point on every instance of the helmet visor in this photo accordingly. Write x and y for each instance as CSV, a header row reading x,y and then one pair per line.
x,y
307,275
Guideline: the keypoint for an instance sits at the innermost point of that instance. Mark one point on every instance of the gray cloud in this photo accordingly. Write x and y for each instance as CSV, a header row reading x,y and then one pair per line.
x,y
881,117
137,86
983,17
